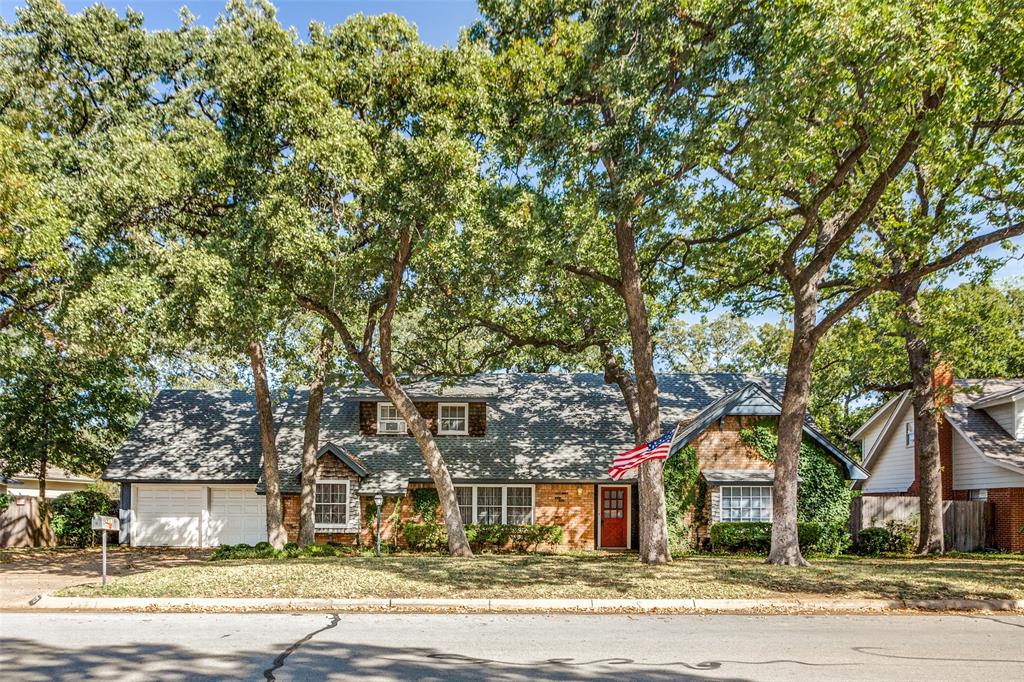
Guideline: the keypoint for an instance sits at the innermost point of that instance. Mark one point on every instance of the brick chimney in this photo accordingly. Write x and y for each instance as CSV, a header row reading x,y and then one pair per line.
x,y
942,380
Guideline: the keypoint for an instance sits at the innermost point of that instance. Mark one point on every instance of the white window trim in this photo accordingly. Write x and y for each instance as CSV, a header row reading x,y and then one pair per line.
x,y
721,507
381,420
908,434
442,432
348,503
504,498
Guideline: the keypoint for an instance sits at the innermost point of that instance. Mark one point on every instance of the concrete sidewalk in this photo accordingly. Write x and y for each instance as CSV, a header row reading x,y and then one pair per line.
x,y
187,604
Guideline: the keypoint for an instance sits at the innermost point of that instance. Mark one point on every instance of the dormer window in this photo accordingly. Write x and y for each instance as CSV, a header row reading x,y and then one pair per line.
x,y
908,432
389,422
453,419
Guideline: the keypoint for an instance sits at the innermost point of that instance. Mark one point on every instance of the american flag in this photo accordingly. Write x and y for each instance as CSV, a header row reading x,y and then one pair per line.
x,y
656,449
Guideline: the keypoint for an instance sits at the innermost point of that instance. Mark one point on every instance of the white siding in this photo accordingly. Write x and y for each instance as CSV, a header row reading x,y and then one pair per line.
x,y
1019,404
892,467
971,470
868,438
878,420
1003,414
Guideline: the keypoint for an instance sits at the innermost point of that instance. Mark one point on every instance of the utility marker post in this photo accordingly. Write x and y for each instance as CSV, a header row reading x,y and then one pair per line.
x,y
105,524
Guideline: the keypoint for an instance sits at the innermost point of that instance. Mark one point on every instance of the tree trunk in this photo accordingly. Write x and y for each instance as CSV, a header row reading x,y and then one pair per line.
x,y
653,518
785,548
458,545
311,440
926,428
45,533
276,534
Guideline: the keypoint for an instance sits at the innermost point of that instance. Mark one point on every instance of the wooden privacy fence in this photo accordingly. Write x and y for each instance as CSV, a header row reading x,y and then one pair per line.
x,y
967,525
19,523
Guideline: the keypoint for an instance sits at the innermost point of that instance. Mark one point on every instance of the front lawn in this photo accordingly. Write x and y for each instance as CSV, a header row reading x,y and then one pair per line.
x,y
576,576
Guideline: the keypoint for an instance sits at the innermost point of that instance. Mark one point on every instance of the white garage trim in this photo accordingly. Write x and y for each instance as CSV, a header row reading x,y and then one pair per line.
x,y
196,515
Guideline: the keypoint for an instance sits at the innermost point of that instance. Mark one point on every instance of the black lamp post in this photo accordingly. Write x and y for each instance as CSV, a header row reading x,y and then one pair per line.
x,y
378,499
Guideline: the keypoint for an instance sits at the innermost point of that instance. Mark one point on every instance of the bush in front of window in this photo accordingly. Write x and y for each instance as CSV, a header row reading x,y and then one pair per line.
x,y
425,537
264,550
490,536
756,536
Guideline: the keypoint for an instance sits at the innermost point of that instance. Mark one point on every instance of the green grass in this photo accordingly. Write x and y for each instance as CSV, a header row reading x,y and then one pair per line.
x,y
576,576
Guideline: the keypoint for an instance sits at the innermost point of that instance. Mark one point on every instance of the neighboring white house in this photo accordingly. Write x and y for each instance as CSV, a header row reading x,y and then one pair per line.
x,y
981,446
58,482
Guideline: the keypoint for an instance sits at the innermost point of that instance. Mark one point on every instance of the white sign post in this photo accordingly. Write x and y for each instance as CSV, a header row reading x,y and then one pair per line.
x,y
105,524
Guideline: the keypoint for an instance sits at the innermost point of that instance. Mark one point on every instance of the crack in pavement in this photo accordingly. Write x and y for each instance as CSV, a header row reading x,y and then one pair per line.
x,y
268,674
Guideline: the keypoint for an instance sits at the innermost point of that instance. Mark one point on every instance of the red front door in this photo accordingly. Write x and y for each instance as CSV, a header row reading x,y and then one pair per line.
x,y
614,512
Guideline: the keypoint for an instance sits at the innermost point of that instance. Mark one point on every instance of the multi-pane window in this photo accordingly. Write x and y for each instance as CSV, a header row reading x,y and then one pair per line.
x,y
331,508
908,430
614,503
388,419
509,504
519,505
488,504
464,496
453,419
746,503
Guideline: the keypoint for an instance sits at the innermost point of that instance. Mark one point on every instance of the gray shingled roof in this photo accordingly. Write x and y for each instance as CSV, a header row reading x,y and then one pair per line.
x,y
192,435
977,426
540,427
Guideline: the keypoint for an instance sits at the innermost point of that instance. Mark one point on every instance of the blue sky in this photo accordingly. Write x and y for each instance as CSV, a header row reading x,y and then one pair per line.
x,y
438,21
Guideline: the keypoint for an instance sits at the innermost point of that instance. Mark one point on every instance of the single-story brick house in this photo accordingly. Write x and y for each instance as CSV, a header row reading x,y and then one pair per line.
x,y
521,448
981,447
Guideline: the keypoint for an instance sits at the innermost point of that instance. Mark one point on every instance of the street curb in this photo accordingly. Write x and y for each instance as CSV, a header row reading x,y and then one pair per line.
x,y
51,603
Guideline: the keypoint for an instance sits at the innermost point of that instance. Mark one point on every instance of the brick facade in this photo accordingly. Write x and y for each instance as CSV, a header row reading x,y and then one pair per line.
x,y
720,447
571,506
1008,506
568,505
477,418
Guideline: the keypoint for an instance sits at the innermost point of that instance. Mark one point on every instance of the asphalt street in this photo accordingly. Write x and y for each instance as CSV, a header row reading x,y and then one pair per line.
x,y
75,646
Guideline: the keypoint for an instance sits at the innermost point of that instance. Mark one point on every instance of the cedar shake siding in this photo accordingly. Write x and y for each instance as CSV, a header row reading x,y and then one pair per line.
x,y
329,468
477,418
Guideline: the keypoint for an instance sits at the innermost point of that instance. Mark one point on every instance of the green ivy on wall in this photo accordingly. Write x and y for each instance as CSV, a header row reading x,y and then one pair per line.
x,y
685,495
823,495
425,503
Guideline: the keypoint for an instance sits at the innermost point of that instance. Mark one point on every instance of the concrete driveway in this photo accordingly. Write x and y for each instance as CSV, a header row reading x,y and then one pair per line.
x,y
25,573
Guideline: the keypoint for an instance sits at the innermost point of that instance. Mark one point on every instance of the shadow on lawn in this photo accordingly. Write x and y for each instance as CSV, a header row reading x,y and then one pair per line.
x,y
890,579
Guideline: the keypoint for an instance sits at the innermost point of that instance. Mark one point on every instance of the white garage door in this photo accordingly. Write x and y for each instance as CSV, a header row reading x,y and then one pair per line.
x,y
236,515
168,516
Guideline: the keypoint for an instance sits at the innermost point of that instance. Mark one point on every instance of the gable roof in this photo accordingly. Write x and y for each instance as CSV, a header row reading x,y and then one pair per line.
x,y
753,399
192,435
899,405
881,412
353,463
979,429
540,427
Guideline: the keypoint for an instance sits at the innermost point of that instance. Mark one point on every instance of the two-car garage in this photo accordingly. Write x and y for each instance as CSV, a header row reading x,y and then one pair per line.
x,y
180,515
